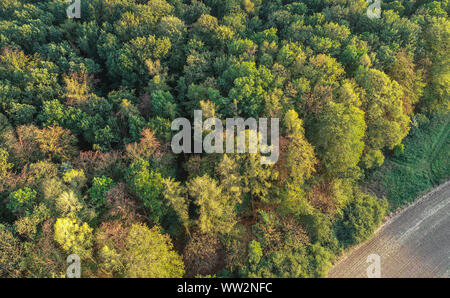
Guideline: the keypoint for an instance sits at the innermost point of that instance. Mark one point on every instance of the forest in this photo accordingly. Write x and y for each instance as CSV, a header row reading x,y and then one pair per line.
x,y
86,106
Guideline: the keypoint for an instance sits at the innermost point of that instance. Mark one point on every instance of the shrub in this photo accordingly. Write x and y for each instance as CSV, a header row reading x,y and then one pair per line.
x,y
360,218
22,200
100,186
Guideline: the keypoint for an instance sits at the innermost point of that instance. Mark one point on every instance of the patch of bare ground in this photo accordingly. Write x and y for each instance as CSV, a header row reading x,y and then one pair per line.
x,y
414,242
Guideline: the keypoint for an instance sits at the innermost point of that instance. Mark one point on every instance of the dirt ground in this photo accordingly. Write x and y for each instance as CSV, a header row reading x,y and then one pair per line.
x,y
413,243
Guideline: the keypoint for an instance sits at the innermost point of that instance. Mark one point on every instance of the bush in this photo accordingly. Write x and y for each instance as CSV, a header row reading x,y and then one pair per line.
x,y
360,218
22,200
100,186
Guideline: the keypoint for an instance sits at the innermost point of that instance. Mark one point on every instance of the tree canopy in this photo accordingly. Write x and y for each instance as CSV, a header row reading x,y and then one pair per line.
x,y
86,106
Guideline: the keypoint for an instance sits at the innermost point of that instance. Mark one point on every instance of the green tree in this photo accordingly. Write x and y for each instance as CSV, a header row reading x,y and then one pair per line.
x,y
405,72
338,137
131,58
360,218
250,85
386,120
163,104
97,192
297,163
216,214
175,194
437,39
75,178
148,185
5,166
300,159
21,201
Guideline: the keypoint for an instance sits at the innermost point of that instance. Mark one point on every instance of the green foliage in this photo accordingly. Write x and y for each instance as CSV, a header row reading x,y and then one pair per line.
x,y
28,226
297,166
22,200
250,84
163,105
409,78
423,164
97,192
174,193
85,130
5,166
254,252
300,158
320,231
132,57
285,252
148,185
75,178
26,81
437,39
257,178
338,137
360,219
382,97
216,214
161,127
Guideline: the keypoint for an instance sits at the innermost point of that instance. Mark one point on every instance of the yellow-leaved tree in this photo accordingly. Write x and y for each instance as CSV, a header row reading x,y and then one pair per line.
x,y
74,237
149,253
